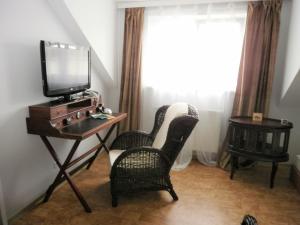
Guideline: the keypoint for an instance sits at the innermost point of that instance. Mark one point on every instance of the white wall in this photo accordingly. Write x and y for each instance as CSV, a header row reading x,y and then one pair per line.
x,y
277,108
97,22
292,66
26,168
115,90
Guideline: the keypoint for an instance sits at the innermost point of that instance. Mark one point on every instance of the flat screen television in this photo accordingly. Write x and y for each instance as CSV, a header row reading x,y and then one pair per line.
x,y
66,68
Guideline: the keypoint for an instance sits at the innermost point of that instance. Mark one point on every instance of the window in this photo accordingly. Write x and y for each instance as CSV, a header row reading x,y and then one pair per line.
x,y
192,54
193,49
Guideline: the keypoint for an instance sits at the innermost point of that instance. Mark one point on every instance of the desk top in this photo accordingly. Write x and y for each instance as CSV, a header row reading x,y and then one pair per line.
x,y
78,131
90,126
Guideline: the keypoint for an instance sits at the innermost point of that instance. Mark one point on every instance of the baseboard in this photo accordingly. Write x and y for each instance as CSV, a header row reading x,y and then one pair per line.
x,y
295,177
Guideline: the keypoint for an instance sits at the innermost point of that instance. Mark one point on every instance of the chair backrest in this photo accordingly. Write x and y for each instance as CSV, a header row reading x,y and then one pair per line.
x,y
173,125
173,111
179,130
159,119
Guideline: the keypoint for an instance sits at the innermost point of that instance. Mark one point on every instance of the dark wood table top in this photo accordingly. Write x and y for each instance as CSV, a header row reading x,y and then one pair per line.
x,y
265,123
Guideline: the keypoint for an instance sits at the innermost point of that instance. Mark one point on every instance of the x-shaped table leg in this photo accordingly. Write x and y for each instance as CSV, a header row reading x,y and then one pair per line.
x,y
63,173
103,145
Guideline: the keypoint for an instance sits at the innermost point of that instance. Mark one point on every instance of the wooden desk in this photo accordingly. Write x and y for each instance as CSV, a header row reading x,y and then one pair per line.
x,y
78,131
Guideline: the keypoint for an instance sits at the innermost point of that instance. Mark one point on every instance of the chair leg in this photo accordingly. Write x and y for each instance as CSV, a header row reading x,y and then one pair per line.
x,y
170,189
114,201
173,194
114,197
234,165
273,173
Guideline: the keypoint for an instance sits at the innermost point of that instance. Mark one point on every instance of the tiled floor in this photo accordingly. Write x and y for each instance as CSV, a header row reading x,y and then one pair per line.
x,y
206,197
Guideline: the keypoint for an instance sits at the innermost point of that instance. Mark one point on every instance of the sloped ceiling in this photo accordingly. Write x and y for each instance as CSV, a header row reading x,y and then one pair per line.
x,y
290,95
91,23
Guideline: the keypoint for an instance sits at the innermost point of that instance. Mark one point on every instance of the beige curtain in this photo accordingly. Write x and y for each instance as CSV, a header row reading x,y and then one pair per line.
x,y
131,69
257,63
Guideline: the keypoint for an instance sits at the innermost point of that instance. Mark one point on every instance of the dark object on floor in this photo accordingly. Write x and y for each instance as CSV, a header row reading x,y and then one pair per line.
x,y
249,220
265,141
141,161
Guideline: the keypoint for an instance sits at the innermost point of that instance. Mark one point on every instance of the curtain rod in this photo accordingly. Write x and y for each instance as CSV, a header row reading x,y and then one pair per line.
x,y
152,3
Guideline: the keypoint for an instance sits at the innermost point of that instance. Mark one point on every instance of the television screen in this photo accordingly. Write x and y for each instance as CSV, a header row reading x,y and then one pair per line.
x,y
65,68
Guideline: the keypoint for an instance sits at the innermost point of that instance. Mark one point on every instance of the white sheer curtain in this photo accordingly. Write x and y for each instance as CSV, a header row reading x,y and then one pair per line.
x,y
191,54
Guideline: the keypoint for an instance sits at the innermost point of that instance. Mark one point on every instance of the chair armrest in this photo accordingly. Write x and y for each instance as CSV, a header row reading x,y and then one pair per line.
x,y
141,162
132,139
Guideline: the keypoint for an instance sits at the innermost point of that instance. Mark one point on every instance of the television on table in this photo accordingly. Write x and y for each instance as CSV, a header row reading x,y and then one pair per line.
x,y
66,69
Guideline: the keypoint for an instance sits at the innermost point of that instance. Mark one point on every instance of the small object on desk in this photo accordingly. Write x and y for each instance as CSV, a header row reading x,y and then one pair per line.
x,y
102,116
107,111
100,108
284,122
258,117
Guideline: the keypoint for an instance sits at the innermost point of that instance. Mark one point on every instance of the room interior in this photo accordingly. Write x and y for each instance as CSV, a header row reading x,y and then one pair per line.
x,y
188,112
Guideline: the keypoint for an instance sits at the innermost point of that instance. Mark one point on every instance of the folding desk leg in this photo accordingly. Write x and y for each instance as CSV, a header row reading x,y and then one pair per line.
x,y
94,157
103,145
102,141
63,172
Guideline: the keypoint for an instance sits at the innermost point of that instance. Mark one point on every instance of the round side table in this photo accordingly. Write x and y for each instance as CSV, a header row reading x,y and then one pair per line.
x,y
258,141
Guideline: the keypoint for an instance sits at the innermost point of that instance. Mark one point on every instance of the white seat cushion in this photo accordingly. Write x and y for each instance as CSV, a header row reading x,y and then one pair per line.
x,y
174,110
114,154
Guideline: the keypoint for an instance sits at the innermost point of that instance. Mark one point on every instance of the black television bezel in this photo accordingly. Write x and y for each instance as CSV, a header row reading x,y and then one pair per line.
x,y
64,91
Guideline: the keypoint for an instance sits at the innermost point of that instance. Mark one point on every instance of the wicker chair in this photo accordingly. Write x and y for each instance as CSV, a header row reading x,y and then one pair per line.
x,y
249,220
142,162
